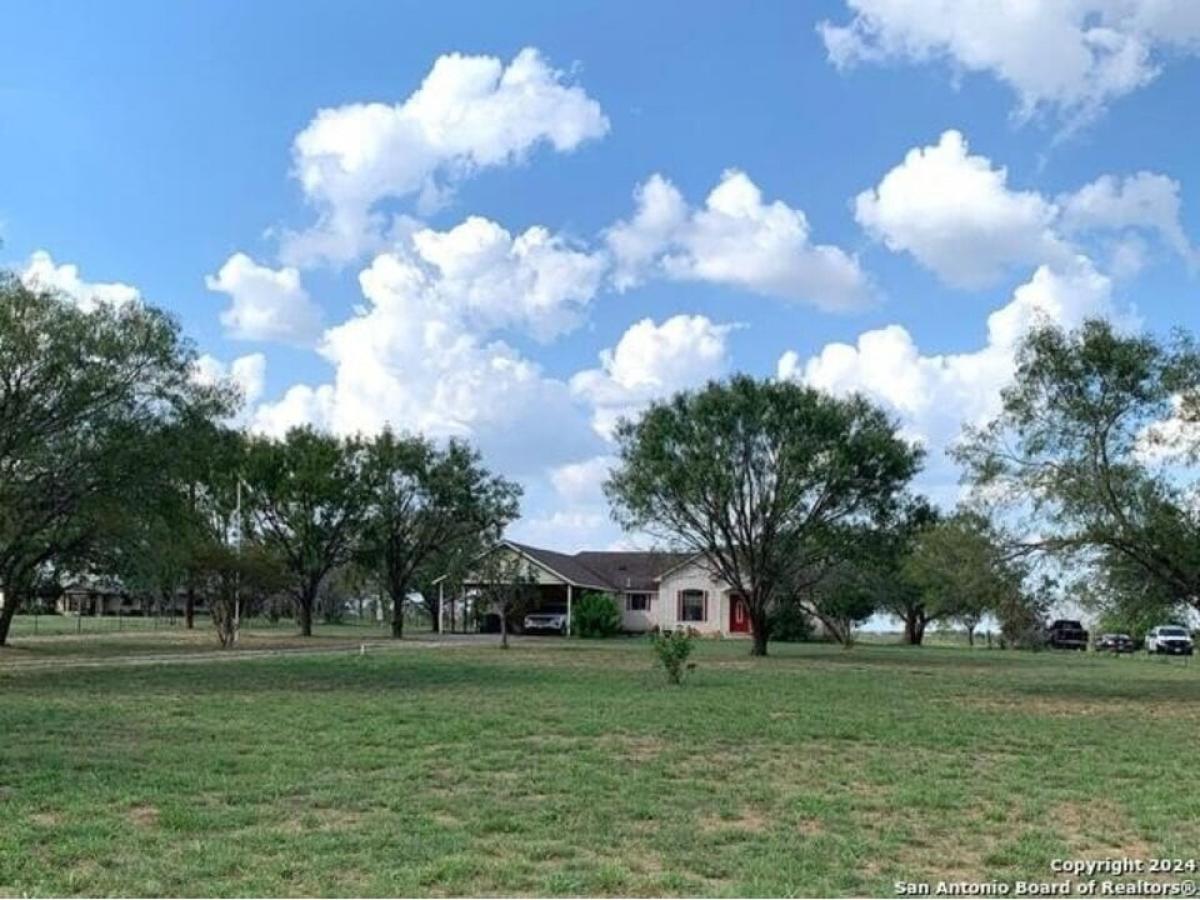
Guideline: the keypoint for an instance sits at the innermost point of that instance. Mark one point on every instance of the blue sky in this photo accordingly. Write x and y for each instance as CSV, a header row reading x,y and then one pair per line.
x,y
897,174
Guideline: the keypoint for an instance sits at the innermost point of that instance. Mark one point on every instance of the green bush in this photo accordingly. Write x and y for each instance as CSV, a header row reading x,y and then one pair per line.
x,y
672,649
790,623
595,615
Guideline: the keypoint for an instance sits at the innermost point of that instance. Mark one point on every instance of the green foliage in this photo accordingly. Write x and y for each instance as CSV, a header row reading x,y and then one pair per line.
x,y
89,402
790,623
309,500
759,477
671,651
1076,443
963,570
428,504
595,615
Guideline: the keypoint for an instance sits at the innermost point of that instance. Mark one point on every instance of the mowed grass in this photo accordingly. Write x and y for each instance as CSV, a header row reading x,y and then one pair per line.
x,y
572,768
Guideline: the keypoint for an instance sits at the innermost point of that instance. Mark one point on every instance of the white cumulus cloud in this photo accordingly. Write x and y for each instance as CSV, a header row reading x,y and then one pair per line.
x,y
266,304
933,395
534,281
247,373
42,272
649,362
957,215
410,359
1068,56
470,113
736,239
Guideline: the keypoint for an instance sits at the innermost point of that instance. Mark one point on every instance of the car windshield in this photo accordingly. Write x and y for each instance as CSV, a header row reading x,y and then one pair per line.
x,y
1172,632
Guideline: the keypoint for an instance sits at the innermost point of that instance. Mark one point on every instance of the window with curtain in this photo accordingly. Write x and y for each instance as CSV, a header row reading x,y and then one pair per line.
x,y
693,606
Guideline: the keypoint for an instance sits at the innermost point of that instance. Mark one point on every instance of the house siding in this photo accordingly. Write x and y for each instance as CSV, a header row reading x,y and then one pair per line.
x,y
693,576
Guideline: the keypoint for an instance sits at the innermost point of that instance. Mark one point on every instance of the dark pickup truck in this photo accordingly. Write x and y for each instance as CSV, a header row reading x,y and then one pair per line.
x,y
1066,634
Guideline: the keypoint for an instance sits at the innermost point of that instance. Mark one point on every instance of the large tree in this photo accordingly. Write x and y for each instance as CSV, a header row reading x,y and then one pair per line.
x,y
425,502
964,570
309,501
86,397
1075,447
759,478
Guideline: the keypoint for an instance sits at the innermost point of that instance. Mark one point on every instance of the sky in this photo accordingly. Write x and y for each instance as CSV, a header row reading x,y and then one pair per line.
x,y
516,223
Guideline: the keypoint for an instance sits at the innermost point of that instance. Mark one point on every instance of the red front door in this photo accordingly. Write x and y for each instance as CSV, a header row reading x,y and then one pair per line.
x,y
739,617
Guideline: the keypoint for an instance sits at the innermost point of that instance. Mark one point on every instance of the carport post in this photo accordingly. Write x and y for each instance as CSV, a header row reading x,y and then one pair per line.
x,y
568,609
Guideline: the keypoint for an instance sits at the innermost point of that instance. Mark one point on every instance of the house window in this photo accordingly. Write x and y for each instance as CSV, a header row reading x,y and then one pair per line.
x,y
693,606
637,603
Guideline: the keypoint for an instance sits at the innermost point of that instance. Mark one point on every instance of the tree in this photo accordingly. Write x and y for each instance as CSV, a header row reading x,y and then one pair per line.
x,y
759,477
1075,445
841,601
233,578
309,501
425,503
872,568
506,585
963,570
1125,599
86,398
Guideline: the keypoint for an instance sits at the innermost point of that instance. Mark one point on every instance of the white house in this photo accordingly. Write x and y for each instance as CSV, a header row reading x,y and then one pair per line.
x,y
652,589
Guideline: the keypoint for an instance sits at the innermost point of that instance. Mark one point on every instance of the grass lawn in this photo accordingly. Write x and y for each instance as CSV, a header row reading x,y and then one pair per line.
x,y
572,768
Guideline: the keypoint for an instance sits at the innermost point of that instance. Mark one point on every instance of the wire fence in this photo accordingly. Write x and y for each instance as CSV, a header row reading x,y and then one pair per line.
x,y
63,624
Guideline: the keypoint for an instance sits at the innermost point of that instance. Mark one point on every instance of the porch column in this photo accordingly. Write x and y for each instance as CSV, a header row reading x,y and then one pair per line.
x,y
568,610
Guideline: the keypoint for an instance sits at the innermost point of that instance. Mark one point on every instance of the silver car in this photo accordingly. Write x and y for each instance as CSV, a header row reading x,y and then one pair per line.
x,y
546,622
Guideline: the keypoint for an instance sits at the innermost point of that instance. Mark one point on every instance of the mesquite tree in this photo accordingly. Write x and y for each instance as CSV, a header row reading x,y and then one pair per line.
x,y
308,501
86,399
759,477
424,501
1088,445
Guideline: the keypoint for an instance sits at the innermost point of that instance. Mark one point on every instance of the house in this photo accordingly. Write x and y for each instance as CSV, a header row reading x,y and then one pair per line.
x,y
652,589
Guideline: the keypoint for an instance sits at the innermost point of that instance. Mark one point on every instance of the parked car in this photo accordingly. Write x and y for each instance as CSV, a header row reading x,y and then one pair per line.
x,y
1066,634
1115,643
546,623
1169,639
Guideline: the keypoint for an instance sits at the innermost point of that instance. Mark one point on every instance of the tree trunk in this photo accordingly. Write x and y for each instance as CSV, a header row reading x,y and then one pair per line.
x,y
970,635
504,630
435,610
760,628
398,613
6,616
304,613
189,607
914,629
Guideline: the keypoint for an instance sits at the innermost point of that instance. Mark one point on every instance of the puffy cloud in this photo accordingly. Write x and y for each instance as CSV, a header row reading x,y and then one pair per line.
x,y
737,240
470,113
534,280
933,395
582,482
649,362
42,272
410,360
958,217
248,374
956,214
1146,201
1072,57
267,304
1173,440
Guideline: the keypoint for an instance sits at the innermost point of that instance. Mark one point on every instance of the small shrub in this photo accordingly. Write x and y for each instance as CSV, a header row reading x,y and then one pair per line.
x,y
595,616
790,623
672,649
